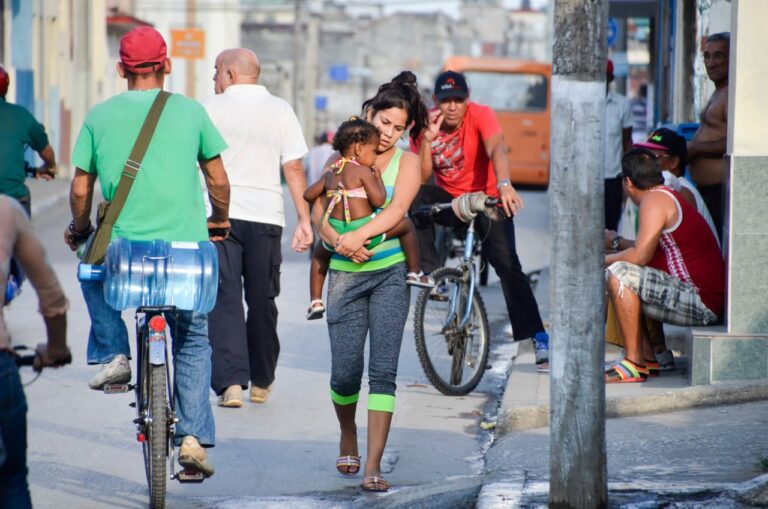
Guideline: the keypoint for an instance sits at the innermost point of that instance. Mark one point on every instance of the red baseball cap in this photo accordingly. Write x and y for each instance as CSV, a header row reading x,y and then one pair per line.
x,y
143,50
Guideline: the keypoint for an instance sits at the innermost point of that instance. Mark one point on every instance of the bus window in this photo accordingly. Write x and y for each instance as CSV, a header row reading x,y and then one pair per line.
x,y
509,92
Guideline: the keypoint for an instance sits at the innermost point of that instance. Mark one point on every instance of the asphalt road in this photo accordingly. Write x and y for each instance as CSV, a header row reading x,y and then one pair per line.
x,y
82,448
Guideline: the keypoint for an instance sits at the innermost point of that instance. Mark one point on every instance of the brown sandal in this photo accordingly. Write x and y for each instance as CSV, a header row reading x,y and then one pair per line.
x,y
375,483
348,465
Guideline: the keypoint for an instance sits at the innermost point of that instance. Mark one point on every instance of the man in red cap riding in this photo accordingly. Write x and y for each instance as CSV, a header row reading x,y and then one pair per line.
x,y
165,203
20,130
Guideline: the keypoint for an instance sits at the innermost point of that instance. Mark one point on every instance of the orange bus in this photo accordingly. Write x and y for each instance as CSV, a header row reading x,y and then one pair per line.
x,y
519,93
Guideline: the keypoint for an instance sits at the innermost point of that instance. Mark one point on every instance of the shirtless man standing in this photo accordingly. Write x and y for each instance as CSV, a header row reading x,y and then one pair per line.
x,y
708,146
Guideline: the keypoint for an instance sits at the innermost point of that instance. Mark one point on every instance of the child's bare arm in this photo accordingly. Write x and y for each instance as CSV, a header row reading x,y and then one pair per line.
x,y
374,186
314,191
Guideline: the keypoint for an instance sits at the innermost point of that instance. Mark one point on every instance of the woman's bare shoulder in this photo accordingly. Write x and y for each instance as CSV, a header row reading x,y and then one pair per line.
x,y
409,157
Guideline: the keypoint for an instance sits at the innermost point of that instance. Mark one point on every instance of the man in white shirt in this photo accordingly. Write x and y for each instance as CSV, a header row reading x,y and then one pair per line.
x,y
617,137
264,136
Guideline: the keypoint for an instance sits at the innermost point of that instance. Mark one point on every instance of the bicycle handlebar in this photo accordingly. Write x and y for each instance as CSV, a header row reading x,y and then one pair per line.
x,y
29,359
25,360
439,207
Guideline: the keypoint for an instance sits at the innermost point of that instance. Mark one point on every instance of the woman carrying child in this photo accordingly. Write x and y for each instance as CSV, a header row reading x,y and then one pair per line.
x,y
354,190
367,293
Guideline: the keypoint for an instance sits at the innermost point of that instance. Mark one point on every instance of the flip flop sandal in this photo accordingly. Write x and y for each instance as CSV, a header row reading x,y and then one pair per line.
x,y
315,310
375,483
414,279
626,371
345,464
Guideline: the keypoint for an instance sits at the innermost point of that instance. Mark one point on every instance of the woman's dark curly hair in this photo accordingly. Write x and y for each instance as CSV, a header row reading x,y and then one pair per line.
x,y
354,130
402,92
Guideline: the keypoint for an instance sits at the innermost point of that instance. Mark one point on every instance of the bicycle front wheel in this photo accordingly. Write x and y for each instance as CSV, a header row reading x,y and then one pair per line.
x,y
156,442
453,357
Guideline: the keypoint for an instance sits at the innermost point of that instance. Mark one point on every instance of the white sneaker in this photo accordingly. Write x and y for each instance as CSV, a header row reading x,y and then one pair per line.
x,y
192,456
116,371
232,397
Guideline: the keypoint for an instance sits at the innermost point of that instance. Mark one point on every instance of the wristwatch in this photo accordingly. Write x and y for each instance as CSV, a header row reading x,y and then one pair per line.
x,y
503,183
615,243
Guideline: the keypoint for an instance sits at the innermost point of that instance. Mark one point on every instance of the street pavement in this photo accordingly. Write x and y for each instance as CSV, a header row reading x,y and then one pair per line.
x,y
82,449
663,448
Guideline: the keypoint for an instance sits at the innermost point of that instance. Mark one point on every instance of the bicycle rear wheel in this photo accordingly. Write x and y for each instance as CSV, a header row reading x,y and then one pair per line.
x,y
453,359
156,443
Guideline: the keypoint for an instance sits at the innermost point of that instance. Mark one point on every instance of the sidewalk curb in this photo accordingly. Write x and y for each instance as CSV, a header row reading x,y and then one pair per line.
x,y
724,393
450,493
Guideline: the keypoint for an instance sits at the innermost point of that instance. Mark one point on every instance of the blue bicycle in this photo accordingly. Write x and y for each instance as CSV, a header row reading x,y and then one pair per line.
x,y
450,320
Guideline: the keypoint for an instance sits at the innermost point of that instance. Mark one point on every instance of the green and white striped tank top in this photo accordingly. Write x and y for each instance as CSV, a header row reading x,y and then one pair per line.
x,y
387,253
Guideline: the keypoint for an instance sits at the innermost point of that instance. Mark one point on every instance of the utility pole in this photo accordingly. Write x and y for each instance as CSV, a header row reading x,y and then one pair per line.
x,y
577,390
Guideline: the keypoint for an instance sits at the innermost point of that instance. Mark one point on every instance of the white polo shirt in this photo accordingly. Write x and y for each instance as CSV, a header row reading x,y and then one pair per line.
x,y
618,116
263,133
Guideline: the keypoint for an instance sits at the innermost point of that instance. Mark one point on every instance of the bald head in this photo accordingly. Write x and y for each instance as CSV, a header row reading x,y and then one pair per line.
x,y
238,66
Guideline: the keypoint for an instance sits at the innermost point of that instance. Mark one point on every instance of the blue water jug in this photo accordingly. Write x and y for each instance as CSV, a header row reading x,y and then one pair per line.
x,y
157,273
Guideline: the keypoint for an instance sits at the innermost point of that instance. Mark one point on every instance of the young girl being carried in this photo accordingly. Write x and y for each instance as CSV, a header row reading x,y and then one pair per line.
x,y
354,190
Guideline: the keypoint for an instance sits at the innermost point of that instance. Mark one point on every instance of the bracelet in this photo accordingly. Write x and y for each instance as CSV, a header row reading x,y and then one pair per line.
x,y
503,183
615,242
75,235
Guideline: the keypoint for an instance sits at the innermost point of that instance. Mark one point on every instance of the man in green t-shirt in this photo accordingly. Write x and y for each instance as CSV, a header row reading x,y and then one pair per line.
x,y
164,203
19,130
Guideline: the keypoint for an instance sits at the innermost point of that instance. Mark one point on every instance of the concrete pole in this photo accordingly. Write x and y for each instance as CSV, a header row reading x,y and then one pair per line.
x,y
577,391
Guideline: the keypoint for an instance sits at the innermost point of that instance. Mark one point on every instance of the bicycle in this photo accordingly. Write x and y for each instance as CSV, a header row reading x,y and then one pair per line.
x,y
450,320
149,275
155,407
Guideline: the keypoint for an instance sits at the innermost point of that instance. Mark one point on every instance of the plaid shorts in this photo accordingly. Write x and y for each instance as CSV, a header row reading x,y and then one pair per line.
x,y
663,296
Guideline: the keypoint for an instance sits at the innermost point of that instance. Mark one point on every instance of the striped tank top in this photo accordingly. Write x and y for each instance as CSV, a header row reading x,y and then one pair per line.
x,y
387,253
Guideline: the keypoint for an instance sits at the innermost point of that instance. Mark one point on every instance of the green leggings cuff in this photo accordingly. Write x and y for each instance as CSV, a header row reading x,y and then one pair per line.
x,y
344,400
381,402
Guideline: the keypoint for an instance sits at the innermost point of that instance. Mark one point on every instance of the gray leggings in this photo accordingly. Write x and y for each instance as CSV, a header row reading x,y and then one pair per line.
x,y
360,303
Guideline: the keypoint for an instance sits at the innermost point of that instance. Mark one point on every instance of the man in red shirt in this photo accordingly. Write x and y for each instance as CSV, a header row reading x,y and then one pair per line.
x,y
463,147
674,272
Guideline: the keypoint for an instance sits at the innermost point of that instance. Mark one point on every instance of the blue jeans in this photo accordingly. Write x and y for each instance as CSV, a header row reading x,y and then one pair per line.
x,y
191,356
14,491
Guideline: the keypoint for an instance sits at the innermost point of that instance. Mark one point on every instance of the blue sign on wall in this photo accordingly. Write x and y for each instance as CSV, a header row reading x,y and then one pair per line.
x,y
613,32
339,73
321,102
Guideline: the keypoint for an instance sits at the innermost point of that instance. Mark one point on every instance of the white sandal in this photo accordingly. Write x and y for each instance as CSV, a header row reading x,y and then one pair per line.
x,y
316,309
414,279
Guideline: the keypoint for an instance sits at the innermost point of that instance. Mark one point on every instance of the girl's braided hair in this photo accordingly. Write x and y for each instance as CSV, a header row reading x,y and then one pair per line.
x,y
354,130
402,92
